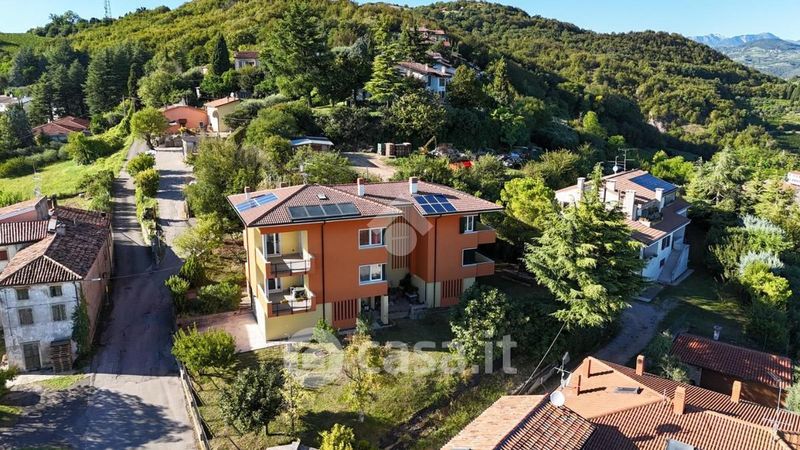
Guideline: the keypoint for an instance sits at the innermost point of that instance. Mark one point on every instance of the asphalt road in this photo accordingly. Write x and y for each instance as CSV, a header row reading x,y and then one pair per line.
x,y
133,397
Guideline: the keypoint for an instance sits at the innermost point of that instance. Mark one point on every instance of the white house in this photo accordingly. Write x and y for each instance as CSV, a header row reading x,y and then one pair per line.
x,y
793,178
7,102
218,109
436,76
245,59
43,283
656,215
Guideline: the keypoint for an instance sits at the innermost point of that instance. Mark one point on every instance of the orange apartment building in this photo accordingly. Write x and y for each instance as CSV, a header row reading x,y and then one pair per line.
x,y
328,251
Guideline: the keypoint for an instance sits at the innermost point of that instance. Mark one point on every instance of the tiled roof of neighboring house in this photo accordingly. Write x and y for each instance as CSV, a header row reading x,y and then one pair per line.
x,y
276,212
423,68
637,180
309,140
397,192
62,126
222,102
670,222
524,422
18,208
21,232
76,215
245,55
430,31
739,362
60,257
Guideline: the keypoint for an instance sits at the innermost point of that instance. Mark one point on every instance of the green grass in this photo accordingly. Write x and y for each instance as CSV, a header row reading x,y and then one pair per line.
x,y
61,383
62,179
705,302
396,401
8,415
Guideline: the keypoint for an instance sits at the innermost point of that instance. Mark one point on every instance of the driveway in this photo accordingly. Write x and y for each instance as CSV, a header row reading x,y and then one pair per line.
x,y
638,325
372,163
132,397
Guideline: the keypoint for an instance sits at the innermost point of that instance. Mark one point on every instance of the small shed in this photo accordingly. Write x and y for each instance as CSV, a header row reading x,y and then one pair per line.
x,y
317,143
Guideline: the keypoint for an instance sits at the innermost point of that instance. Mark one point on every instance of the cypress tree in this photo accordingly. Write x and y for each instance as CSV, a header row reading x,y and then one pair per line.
x,y
220,57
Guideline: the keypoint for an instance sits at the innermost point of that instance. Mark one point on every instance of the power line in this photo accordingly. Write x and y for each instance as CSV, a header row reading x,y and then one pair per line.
x,y
530,379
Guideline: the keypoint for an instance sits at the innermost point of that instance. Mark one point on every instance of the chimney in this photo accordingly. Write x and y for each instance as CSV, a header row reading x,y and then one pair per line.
x,y
717,331
413,183
660,198
679,400
611,185
736,391
247,192
581,187
577,385
629,204
361,187
640,365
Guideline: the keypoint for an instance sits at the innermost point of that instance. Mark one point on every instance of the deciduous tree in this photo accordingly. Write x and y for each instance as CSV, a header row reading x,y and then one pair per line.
x,y
254,398
148,124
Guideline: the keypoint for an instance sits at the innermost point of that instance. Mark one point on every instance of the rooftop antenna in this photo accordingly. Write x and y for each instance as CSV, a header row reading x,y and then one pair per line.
x,y
565,374
37,183
625,160
108,8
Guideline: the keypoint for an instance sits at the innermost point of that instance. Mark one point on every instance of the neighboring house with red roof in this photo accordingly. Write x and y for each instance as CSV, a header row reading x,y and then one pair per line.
x,y
716,365
611,407
332,252
25,211
66,258
654,212
218,109
245,59
59,129
184,116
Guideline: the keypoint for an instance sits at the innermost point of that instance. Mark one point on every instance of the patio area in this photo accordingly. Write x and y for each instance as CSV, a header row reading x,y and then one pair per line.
x,y
240,324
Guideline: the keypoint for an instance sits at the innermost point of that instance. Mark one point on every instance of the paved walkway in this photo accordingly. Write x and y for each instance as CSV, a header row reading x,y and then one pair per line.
x,y
638,325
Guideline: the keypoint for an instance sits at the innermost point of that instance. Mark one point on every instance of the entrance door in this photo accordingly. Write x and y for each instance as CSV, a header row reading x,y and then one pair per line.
x,y
30,352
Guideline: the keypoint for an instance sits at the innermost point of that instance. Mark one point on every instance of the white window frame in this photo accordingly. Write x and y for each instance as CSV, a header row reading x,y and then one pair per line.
x,y
381,273
469,224
278,285
463,251
371,244
276,239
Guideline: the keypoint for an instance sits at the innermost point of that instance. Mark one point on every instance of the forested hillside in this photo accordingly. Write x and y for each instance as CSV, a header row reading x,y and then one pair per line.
x,y
637,83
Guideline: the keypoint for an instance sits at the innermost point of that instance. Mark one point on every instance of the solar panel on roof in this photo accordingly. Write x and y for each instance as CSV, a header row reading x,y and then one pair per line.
x,y
434,204
259,200
310,212
650,182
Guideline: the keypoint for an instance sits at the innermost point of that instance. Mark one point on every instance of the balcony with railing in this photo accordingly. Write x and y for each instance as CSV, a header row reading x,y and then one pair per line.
x,y
286,265
293,300
483,265
486,234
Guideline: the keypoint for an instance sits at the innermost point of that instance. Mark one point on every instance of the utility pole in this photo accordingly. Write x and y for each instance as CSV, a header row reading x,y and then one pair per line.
x,y
108,9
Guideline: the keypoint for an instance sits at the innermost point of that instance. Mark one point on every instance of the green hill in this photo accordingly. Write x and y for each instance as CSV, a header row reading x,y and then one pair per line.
x,y
11,42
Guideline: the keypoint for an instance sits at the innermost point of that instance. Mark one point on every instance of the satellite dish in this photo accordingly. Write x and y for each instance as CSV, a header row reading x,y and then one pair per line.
x,y
557,399
615,168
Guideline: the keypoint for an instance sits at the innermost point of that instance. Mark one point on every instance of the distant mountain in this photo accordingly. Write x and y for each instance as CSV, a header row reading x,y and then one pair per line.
x,y
765,52
717,41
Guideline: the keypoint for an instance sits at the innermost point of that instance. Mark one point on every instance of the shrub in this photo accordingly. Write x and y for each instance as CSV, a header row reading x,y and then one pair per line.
x,y
140,162
339,437
7,375
147,182
178,287
192,270
323,332
15,167
219,297
212,349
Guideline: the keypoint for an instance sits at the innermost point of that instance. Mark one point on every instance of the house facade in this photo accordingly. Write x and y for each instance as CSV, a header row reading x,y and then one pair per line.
x,y
217,110
436,76
245,59
184,116
44,282
333,252
655,213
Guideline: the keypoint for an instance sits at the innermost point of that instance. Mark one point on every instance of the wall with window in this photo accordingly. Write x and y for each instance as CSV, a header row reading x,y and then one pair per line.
x,y
40,313
7,252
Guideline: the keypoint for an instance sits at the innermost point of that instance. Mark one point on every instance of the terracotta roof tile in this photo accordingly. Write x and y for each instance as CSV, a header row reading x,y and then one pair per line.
x,y
245,55
20,232
58,258
524,422
742,363
82,216
221,101
64,125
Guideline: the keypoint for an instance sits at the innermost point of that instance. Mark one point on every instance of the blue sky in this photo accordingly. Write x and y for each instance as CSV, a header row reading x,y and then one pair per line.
x,y
689,17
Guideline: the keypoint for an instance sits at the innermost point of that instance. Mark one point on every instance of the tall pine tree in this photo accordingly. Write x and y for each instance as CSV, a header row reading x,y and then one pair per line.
x,y
386,83
587,259
220,56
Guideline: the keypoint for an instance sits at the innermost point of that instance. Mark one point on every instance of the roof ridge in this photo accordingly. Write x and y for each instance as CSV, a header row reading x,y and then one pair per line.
x,y
362,197
279,203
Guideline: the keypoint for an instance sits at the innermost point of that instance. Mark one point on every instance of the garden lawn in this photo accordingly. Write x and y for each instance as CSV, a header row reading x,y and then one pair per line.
x,y
61,383
705,302
62,179
396,400
8,415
